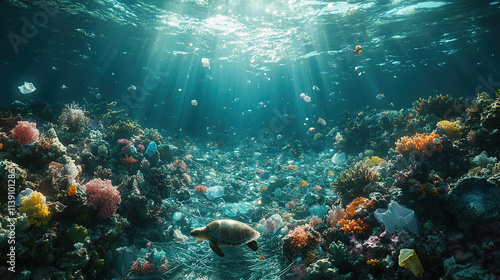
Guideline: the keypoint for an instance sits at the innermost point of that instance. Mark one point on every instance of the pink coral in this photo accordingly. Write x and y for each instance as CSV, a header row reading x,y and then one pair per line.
x,y
101,195
25,132
336,214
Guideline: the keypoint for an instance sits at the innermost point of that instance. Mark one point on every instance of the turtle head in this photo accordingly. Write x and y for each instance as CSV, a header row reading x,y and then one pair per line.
x,y
199,233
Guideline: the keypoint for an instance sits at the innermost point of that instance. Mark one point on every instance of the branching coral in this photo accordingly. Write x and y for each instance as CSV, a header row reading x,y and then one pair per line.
x,y
299,239
453,129
351,183
36,209
443,106
477,106
103,196
125,130
73,117
25,132
490,117
8,121
420,144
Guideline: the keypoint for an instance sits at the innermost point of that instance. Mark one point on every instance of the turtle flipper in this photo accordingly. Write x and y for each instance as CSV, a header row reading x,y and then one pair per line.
x,y
253,245
216,249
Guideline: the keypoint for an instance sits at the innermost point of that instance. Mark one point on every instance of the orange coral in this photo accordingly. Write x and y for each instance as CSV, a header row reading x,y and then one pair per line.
x,y
350,225
424,144
129,160
200,188
353,226
359,202
71,190
373,265
298,238
292,167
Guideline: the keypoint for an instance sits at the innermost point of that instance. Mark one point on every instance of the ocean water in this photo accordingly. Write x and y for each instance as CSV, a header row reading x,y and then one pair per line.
x,y
237,90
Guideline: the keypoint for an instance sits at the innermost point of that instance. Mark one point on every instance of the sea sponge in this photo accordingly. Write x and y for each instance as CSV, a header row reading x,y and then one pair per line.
x,y
409,260
76,233
36,209
72,190
373,161
453,129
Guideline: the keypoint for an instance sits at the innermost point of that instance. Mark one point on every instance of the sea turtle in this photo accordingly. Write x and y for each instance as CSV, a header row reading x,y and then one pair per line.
x,y
227,233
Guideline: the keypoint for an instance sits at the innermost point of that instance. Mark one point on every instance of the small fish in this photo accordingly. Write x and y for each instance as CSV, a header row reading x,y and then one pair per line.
x,y
321,250
194,102
94,124
392,104
64,86
380,96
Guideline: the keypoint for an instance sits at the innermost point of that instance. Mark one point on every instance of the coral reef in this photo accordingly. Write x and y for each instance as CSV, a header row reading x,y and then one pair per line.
x,y
420,144
35,207
452,129
102,196
73,117
351,183
442,106
25,132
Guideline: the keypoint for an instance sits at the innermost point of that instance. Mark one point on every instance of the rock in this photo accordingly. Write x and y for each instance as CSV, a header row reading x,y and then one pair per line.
x,y
474,200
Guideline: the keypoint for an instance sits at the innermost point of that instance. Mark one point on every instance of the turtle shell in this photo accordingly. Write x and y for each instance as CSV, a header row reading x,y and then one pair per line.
x,y
231,233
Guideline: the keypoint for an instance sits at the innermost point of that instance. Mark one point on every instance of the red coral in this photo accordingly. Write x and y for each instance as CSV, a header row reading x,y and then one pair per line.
x,y
25,132
101,195
143,268
298,236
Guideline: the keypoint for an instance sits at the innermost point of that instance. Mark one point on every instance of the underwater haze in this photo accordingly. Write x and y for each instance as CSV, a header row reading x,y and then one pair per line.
x,y
260,52
236,139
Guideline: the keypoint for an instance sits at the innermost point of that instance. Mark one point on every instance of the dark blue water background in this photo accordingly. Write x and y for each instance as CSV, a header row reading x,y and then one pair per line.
x,y
146,56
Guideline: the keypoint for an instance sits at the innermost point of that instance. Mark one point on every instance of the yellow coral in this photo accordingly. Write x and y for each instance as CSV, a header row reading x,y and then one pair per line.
x,y
304,184
36,209
453,129
373,264
374,160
